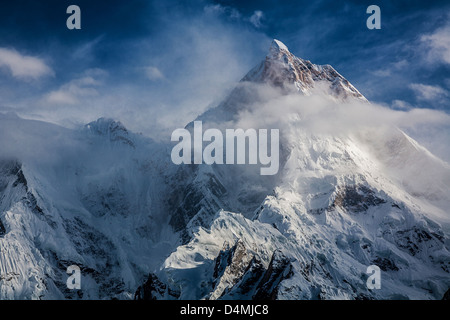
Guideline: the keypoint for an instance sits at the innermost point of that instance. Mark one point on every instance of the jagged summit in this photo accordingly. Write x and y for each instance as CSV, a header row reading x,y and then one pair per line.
x,y
283,69
104,125
277,46
114,130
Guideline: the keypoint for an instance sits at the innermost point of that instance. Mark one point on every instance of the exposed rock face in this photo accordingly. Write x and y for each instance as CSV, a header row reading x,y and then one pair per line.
x,y
114,130
281,68
201,199
238,273
446,295
279,269
245,288
154,289
2,229
356,198
230,266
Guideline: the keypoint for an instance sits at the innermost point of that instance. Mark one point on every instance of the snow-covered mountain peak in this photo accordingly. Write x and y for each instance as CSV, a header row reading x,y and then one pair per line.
x,y
104,126
114,130
283,69
277,47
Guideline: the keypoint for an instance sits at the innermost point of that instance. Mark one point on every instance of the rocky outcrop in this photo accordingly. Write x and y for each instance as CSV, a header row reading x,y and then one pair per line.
x,y
195,204
231,264
239,272
446,295
282,69
114,130
280,268
246,287
2,229
154,289
356,198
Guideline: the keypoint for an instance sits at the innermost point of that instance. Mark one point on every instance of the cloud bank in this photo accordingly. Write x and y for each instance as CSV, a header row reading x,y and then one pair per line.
x,y
23,66
438,43
320,114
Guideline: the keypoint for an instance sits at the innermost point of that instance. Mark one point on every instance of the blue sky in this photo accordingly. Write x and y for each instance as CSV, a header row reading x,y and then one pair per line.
x,y
155,65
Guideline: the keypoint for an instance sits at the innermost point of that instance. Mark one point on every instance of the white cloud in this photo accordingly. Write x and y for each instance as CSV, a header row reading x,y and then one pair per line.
x,y
382,73
153,73
61,97
320,114
391,69
400,64
427,92
23,67
438,44
76,90
400,104
232,13
218,9
447,82
86,50
256,18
